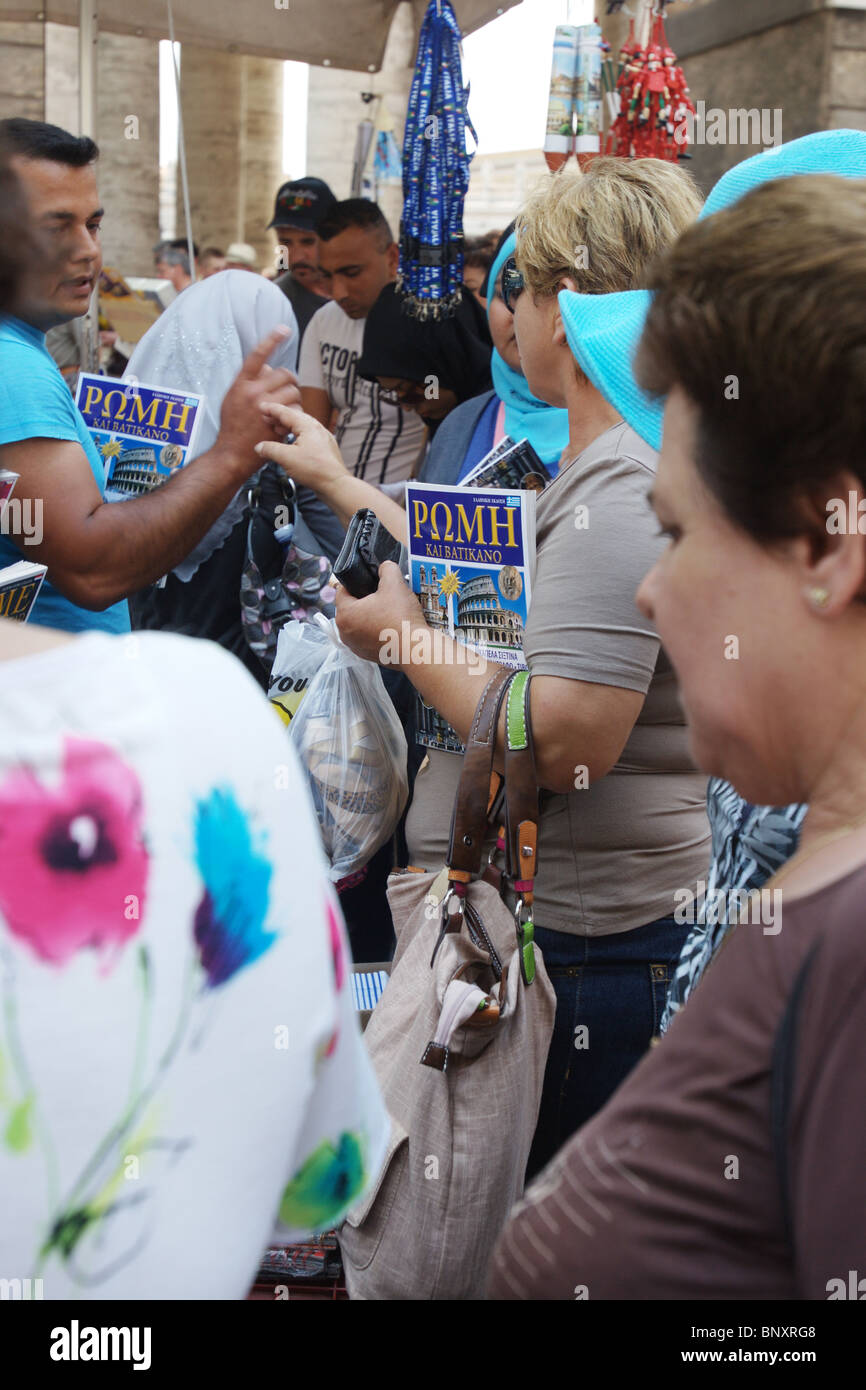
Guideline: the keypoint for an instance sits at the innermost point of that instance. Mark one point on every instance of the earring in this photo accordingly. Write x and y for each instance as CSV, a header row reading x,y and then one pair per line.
x,y
820,597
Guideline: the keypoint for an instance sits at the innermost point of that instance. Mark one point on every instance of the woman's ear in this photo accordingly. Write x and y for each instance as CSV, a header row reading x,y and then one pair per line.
x,y
832,554
566,283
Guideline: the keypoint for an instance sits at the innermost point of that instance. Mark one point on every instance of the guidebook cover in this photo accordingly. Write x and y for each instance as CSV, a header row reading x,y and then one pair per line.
x,y
8,480
471,559
144,433
19,588
515,466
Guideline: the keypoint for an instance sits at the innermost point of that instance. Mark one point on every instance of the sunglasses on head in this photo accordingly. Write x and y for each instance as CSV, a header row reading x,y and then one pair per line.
x,y
512,283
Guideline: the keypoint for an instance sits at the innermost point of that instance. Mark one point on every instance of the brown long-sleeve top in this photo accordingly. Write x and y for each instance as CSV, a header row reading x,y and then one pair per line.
x,y
672,1190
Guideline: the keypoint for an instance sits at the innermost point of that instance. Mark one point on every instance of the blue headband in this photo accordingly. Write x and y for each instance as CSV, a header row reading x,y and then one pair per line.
x,y
526,417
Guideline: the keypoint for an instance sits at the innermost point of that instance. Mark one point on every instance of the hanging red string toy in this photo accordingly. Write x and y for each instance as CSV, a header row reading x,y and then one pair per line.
x,y
654,101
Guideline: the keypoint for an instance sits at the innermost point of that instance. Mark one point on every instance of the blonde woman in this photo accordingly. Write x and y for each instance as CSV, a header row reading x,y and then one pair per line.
x,y
623,820
761,1077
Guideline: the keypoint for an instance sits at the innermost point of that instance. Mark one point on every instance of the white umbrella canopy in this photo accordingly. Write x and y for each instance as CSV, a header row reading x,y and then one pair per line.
x,y
337,33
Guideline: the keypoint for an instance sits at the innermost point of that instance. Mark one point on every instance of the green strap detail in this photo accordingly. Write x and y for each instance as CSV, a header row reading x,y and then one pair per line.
x,y
515,713
527,951
515,724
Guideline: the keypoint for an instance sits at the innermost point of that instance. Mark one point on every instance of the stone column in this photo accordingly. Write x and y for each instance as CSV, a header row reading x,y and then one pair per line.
x,y
846,95
335,109
232,116
127,132
39,79
805,59
22,70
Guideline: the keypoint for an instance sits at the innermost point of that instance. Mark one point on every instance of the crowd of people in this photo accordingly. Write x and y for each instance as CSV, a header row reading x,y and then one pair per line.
x,y
695,384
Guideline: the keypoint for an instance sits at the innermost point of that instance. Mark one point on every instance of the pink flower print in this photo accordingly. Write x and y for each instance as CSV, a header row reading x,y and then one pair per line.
x,y
73,864
338,956
337,950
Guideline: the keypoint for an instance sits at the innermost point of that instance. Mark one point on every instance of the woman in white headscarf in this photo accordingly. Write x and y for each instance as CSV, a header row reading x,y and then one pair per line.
x,y
198,345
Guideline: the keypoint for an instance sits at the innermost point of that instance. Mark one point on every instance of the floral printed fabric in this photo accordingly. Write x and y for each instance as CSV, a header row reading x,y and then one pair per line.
x,y
750,843
180,1060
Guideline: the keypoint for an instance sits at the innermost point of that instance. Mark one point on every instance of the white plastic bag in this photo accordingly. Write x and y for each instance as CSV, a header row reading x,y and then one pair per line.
x,y
352,746
301,650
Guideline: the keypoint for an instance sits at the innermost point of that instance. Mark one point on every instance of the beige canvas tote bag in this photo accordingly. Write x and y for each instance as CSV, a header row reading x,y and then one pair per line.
x,y
459,1040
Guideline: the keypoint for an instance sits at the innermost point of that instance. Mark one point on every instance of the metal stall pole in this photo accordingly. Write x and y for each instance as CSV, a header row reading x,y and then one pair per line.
x,y
181,147
88,35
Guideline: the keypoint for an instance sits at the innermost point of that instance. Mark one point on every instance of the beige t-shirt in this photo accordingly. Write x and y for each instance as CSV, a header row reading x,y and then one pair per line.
x,y
611,855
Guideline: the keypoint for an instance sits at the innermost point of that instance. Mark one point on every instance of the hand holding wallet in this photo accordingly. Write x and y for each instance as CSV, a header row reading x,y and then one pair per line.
x,y
367,545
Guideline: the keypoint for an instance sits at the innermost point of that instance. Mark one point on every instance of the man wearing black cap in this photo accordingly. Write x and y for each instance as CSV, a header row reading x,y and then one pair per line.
x,y
299,208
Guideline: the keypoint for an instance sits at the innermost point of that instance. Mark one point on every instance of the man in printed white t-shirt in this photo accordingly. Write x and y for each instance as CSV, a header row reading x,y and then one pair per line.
x,y
380,441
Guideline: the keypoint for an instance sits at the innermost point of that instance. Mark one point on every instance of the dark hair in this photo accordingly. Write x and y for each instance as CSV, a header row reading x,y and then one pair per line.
x,y
759,316
15,246
477,253
455,349
487,289
210,251
175,252
355,212
180,243
38,140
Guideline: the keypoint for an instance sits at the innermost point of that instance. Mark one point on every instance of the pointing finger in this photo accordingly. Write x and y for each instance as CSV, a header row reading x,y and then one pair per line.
x,y
255,360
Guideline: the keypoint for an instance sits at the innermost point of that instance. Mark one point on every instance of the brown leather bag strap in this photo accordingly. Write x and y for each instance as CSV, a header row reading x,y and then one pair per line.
x,y
469,820
521,791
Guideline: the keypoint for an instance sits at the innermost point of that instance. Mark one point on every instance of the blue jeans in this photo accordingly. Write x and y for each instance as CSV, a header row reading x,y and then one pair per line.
x,y
610,997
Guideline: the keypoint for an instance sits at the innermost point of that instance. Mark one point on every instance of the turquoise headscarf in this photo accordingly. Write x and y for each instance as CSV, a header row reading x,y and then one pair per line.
x,y
526,417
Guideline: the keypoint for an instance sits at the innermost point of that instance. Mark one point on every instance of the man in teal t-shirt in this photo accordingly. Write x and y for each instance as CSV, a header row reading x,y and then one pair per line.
x,y
97,554
35,403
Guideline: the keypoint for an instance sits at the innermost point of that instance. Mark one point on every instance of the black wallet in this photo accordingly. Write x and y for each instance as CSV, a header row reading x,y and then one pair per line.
x,y
367,545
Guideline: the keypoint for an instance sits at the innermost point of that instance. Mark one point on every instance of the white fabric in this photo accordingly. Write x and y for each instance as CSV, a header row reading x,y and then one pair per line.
x,y
154,1113
198,344
379,441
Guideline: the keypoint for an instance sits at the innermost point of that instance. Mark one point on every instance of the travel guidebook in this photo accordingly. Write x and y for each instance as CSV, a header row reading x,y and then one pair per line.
x,y
19,585
471,561
144,433
7,485
509,465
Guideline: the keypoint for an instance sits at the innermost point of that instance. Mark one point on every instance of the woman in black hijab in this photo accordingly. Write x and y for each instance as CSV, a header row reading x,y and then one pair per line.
x,y
431,366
